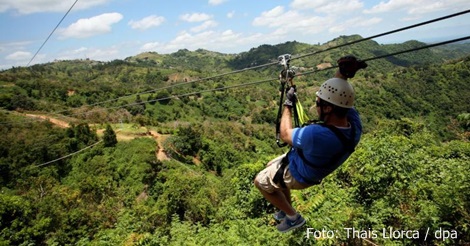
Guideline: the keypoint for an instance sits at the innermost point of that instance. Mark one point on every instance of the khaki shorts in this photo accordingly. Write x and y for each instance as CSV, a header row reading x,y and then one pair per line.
x,y
265,177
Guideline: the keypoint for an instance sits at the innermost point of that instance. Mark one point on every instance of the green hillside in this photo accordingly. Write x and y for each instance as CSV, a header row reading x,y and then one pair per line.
x,y
181,145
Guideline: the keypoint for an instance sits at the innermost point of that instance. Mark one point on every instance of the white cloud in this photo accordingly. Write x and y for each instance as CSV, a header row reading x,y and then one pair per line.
x,y
216,2
355,22
327,6
206,25
147,22
418,6
98,54
231,14
229,35
38,6
292,21
338,7
206,20
96,25
103,54
392,5
195,17
272,17
211,40
19,45
428,7
369,22
150,46
304,4
19,56
80,50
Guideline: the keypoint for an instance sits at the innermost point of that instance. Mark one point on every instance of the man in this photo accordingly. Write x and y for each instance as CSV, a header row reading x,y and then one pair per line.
x,y
317,149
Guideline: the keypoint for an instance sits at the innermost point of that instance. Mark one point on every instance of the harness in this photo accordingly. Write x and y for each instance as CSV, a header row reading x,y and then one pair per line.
x,y
348,147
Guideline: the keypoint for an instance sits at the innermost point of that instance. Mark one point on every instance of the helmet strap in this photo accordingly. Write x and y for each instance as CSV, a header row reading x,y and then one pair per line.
x,y
322,115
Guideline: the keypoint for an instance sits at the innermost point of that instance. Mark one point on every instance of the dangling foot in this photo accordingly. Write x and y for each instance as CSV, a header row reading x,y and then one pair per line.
x,y
289,224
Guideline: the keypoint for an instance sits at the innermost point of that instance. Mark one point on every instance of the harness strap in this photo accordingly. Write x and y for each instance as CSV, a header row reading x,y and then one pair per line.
x,y
347,143
279,176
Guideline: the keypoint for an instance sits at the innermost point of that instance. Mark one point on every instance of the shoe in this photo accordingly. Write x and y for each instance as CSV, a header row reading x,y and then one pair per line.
x,y
279,215
287,224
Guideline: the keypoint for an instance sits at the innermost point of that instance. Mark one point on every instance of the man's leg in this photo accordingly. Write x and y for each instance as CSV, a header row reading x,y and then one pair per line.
x,y
280,199
271,191
287,195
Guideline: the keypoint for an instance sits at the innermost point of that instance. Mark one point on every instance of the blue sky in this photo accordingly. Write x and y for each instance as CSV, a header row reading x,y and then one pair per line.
x,y
115,29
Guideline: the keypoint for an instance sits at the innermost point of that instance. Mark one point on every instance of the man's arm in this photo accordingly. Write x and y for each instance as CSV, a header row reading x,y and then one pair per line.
x,y
286,125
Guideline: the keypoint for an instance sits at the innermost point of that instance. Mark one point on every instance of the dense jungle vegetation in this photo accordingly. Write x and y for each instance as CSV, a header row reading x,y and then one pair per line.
x,y
176,148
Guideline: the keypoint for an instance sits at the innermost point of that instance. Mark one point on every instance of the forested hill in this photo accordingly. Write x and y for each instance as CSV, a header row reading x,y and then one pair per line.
x,y
207,60
160,150
122,85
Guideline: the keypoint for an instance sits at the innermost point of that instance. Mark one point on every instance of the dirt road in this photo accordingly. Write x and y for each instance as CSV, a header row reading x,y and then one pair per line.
x,y
56,122
161,154
159,138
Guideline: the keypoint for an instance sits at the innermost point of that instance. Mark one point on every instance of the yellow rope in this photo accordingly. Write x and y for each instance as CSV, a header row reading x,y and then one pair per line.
x,y
303,118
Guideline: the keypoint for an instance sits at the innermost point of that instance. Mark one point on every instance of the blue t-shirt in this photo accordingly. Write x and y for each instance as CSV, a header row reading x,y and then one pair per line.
x,y
319,146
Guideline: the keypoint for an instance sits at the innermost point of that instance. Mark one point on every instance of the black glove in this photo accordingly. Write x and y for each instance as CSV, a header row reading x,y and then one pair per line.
x,y
291,96
349,65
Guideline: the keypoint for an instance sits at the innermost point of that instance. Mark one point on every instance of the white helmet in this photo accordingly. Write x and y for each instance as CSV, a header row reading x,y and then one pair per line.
x,y
337,92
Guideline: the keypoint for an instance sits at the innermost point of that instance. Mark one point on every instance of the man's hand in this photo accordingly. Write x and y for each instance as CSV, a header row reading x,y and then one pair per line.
x,y
349,65
290,96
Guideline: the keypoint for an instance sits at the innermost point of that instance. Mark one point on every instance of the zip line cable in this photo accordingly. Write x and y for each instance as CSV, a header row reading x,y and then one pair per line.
x,y
71,154
295,57
47,39
259,82
194,93
272,63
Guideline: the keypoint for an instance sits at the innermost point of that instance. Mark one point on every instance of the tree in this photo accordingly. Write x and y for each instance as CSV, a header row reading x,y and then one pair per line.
x,y
109,137
83,134
187,140
464,120
163,97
